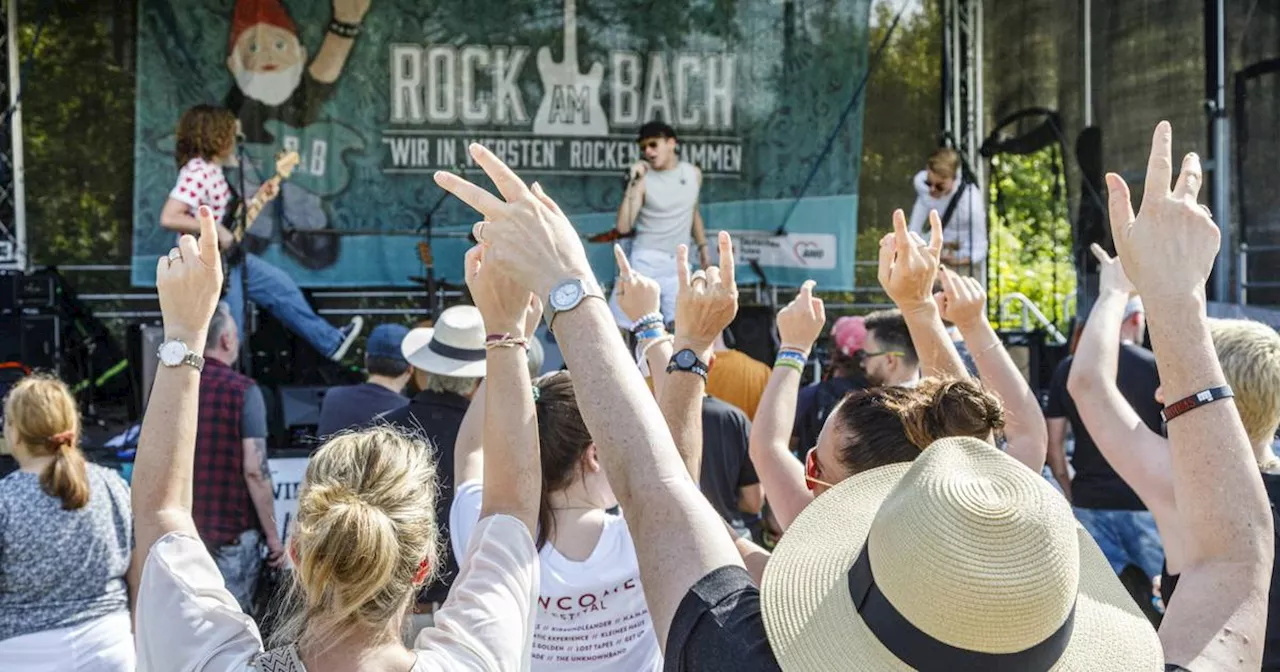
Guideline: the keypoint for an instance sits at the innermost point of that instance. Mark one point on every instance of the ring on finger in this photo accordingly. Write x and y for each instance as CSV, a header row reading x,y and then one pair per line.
x,y
175,255
478,231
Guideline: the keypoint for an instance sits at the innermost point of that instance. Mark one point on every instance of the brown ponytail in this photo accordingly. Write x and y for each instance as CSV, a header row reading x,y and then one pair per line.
x,y
40,415
562,440
946,407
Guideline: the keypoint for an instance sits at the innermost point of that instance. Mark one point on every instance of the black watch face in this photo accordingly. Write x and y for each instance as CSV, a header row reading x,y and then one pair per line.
x,y
686,359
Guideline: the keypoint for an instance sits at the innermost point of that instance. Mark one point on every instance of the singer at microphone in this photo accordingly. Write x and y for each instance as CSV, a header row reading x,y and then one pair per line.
x,y
660,204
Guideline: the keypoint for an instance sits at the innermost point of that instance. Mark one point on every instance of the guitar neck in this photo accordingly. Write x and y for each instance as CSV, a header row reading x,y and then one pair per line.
x,y
571,32
252,210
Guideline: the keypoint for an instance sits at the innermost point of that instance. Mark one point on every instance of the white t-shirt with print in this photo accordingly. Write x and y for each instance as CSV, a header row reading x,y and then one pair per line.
x,y
591,615
188,622
202,183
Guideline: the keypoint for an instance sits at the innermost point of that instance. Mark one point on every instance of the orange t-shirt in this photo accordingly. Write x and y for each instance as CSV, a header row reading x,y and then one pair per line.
x,y
738,379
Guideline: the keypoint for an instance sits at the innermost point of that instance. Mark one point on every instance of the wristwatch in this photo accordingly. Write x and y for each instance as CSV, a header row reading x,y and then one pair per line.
x,y
173,353
687,360
566,295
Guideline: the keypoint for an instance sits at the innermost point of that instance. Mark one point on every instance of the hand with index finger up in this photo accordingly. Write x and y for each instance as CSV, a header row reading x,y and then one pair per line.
x,y
800,322
1169,247
188,282
525,233
638,295
908,265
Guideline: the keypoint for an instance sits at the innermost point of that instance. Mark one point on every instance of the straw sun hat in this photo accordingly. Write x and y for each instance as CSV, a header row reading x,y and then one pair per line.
x,y
962,560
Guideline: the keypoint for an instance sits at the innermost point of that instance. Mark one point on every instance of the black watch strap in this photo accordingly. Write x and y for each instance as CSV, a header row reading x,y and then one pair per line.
x,y
687,360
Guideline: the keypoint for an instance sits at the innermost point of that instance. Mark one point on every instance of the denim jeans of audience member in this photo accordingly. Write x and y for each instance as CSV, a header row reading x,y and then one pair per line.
x,y
1126,538
240,563
275,291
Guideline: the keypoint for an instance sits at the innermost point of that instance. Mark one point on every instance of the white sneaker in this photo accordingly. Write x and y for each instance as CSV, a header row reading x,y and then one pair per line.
x,y
349,335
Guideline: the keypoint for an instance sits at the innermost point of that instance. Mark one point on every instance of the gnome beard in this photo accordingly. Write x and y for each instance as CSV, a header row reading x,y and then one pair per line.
x,y
271,88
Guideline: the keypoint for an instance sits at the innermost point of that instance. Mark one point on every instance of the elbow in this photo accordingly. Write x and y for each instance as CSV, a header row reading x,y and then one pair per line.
x,y
1079,382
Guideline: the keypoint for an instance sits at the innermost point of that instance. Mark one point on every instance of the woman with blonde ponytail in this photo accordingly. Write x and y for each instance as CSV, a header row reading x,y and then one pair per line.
x,y
65,542
364,541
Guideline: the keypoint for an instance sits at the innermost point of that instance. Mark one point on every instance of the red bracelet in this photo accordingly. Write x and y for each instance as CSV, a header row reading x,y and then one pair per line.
x,y
1196,400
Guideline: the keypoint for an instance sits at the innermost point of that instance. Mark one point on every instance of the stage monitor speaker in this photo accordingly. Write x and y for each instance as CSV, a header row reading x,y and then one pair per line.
x,y
752,333
300,410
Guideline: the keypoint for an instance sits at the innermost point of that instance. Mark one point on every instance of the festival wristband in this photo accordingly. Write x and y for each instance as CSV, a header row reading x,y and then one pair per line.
x,y
1201,398
789,364
650,334
793,355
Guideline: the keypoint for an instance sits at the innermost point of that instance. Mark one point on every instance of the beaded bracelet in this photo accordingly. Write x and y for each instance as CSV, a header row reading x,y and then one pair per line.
x,y
797,356
341,29
646,322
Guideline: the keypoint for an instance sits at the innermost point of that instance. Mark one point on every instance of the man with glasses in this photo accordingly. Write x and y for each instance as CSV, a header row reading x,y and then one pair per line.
x,y
888,356
660,205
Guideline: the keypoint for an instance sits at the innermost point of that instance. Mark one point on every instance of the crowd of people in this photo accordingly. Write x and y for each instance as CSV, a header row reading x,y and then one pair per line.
x,y
614,516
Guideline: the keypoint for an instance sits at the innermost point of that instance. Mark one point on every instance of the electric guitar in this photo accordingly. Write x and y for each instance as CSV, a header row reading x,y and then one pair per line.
x,y
570,100
241,216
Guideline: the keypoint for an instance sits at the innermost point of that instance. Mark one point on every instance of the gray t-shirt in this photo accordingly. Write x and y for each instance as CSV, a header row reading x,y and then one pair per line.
x,y
665,219
59,568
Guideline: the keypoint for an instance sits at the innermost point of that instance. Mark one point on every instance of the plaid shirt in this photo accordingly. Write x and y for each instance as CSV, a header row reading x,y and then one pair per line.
x,y
221,505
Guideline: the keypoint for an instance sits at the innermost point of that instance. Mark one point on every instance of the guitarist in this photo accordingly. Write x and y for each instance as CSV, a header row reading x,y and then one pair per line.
x,y
206,142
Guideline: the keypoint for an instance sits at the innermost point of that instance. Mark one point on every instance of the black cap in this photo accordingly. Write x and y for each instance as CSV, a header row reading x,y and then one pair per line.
x,y
657,129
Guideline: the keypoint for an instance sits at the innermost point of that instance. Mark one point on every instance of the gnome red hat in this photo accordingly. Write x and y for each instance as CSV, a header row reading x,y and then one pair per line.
x,y
250,13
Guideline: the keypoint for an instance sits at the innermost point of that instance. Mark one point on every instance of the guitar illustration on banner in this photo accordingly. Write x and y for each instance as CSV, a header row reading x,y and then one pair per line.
x,y
571,100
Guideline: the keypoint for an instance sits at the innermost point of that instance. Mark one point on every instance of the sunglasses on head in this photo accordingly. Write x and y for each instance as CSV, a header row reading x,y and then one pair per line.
x,y
812,472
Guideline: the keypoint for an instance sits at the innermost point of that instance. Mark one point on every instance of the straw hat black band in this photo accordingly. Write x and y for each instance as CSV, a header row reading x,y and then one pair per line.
x,y
919,650
461,354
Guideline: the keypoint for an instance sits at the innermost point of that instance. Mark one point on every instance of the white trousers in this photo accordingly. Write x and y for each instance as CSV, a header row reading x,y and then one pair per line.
x,y
101,645
660,266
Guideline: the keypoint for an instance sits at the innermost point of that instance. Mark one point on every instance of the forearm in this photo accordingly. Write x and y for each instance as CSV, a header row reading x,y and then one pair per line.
x,y
780,472
260,491
657,357
331,58
681,404
632,198
468,452
1222,507
166,447
1099,347
938,355
513,472
181,222
1025,424
699,229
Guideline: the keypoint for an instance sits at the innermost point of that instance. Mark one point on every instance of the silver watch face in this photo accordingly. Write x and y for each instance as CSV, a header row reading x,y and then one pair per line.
x,y
172,352
566,295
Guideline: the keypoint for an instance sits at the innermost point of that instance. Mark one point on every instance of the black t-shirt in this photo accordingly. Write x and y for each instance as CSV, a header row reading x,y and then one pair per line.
x,y
1271,645
1096,485
718,626
437,417
726,466
814,403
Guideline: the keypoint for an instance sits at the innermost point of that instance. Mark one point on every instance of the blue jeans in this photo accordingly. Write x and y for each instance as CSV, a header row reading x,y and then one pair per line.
x,y
240,563
1126,538
275,291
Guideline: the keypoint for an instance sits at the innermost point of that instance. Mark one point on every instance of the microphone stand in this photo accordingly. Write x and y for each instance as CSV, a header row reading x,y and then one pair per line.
x,y
246,352
427,228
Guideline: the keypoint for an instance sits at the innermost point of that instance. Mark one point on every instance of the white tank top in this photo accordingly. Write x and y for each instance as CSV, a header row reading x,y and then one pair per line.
x,y
666,217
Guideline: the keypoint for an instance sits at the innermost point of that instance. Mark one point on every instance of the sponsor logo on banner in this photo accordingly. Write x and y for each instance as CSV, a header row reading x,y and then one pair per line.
x,y
571,132
816,251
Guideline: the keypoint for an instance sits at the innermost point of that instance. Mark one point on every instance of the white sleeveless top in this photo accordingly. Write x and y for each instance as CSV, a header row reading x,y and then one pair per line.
x,y
666,217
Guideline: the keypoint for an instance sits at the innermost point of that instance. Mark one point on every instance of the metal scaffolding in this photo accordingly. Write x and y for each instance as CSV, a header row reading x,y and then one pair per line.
x,y
13,214
962,115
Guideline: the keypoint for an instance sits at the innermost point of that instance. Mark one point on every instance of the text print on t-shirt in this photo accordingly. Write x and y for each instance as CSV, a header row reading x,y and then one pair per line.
x,y
566,640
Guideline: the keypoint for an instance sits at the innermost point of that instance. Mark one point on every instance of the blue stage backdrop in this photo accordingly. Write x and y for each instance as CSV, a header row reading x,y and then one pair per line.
x,y
395,89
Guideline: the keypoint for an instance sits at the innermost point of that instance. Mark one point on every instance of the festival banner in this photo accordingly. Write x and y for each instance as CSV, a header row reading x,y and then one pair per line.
x,y
376,95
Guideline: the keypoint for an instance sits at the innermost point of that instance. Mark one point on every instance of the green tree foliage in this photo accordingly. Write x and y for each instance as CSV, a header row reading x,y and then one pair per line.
x,y
1030,238
77,120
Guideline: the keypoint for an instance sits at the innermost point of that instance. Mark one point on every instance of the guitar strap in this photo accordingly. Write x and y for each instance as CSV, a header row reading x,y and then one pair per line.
x,y
955,199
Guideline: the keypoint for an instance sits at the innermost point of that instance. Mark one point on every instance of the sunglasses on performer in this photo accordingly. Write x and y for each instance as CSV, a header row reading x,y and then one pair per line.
x,y
649,144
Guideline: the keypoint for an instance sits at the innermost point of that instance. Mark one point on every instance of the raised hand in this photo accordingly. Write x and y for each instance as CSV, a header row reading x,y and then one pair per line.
x,y
908,265
1168,249
800,322
525,232
962,301
188,281
503,304
707,301
638,295
1111,273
